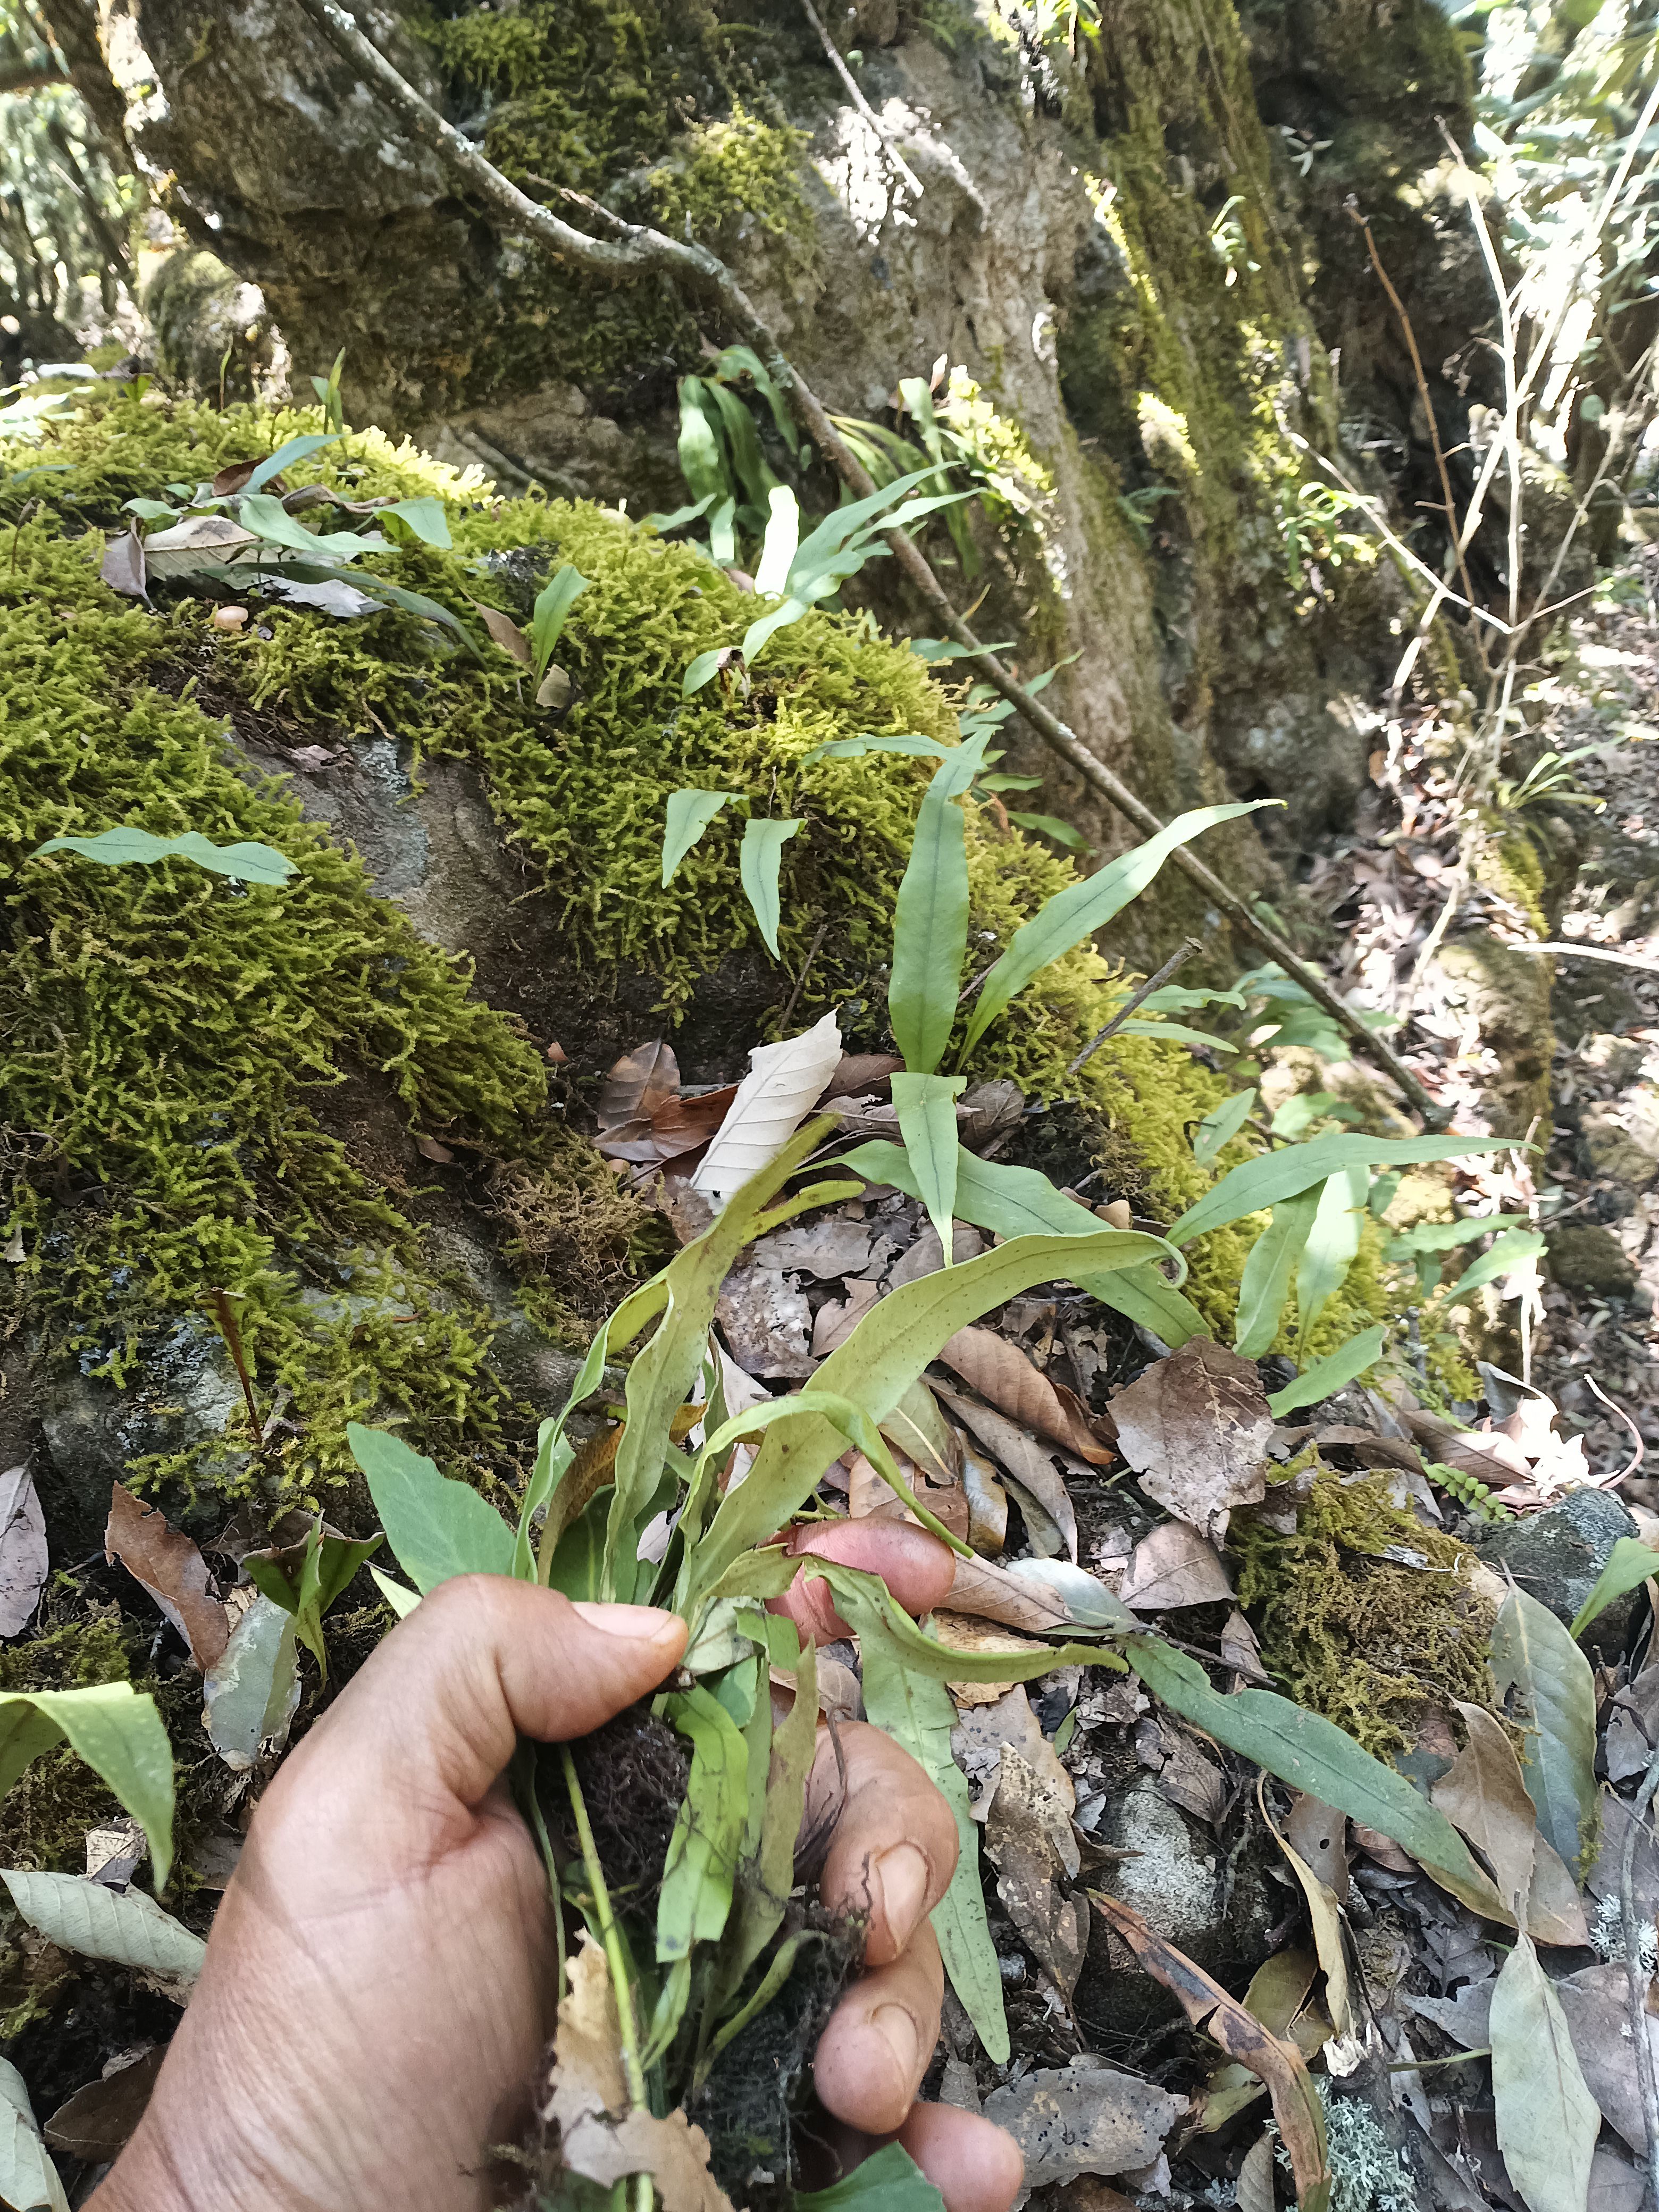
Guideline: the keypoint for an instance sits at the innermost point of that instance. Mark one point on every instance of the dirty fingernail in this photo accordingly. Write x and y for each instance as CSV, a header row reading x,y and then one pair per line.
x,y
901,1877
898,2032
645,1624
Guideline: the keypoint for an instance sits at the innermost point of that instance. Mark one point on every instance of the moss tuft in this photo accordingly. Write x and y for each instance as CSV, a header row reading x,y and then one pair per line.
x,y
1368,1642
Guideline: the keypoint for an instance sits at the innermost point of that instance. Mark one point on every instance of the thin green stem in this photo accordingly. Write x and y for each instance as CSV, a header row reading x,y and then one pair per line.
x,y
530,1803
610,1936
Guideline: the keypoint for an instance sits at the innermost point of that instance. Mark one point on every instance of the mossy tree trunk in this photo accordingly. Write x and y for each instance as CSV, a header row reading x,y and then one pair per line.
x,y
1107,240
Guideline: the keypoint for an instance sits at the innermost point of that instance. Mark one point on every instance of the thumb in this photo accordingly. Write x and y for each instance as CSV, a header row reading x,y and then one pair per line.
x,y
480,1662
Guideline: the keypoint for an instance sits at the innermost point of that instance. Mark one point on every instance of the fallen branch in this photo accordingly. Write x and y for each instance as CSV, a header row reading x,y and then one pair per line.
x,y
634,252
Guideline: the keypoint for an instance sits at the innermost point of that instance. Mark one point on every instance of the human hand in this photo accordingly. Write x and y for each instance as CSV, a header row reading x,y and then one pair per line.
x,y
377,1989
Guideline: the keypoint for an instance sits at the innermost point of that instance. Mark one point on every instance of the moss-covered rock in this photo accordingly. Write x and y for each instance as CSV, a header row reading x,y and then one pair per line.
x,y
218,1086
1349,1629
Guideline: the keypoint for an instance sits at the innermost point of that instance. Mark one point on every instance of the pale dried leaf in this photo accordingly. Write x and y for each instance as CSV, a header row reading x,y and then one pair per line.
x,y
1194,1427
858,1072
123,568
927,1254
1383,1849
834,1324
506,632
1239,1649
1545,2117
1082,2118
959,1631
156,1554
1172,1565
1000,1372
24,1561
988,1501
1484,1795
1255,2190
767,1323
599,2137
783,1083
1028,1840
824,1249
981,1737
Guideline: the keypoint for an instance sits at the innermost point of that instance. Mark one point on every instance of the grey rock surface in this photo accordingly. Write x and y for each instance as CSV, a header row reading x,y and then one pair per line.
x,y
1555,1556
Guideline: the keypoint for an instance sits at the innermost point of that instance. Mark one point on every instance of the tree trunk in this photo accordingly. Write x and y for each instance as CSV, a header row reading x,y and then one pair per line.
x,y
1108,242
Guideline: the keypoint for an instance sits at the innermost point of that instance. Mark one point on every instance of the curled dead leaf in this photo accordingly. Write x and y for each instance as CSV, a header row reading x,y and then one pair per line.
x,y
1279,2064
1000,1372
170,1567
1172,1565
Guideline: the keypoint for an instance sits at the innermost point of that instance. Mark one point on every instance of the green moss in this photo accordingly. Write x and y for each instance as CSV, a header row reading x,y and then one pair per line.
x,y
639,103
46,1814
173,1039
1367,1642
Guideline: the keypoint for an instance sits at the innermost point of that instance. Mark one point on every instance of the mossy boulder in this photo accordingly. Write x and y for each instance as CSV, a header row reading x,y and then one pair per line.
x,y
220,1087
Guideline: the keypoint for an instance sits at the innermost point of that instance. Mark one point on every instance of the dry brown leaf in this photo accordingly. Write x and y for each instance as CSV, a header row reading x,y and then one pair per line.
x,y
430,1149
506,632
172,1571
1028,1840
23,1560
1000,1372
1383,1849
991,1593
1024,1460
1207,2005
1172,1565
868,1494
1317,1834
958,1631
1239,1649
985,1109
1186,1775
1596,2002
988,1501
858,1072
636,1085
1194,1428
1484,1795
834,1324
925,1256
95,2123
588,2099
1083,2119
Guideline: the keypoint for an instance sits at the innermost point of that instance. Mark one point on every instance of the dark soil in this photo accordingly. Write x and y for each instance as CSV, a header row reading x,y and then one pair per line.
x,y
633,1773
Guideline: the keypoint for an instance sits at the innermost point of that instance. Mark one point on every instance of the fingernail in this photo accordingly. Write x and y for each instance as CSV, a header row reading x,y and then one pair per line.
x,y
898,2032
902,1878
642,1624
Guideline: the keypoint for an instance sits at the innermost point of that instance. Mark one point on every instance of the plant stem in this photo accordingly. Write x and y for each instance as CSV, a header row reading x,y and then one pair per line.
x,y
610,1936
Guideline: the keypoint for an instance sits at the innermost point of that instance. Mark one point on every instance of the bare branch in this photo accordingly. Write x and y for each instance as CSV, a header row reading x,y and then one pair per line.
x,y
29,76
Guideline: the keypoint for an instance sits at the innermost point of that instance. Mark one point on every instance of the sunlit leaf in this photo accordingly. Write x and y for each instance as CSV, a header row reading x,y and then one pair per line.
x,y
930,920
1074,915
690,813
759,860
249,864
